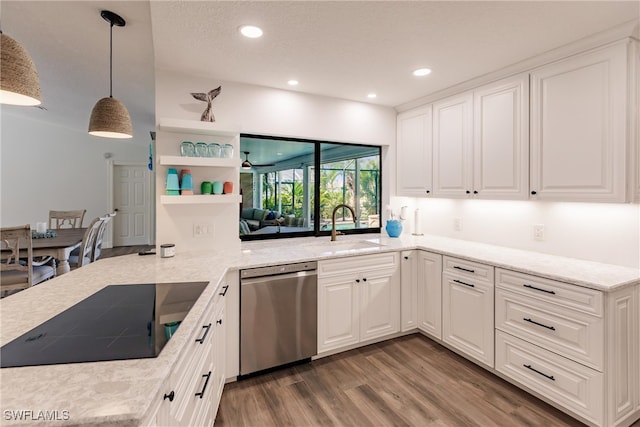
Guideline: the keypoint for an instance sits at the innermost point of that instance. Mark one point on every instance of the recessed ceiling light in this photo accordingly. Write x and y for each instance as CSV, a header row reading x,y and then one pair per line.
x,y
292,83
278,154
372,96
422,72
251,31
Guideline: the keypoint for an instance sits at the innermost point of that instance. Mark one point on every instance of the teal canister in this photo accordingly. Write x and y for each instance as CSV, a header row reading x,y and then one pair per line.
x,y
173,183
218,187
206,187
394,227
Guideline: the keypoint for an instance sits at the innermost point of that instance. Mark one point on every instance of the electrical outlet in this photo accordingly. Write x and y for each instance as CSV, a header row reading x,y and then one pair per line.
x,y
202,229
457,224
538,231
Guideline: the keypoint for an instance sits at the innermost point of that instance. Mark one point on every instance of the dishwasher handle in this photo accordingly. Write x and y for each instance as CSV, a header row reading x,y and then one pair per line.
x,y
265,279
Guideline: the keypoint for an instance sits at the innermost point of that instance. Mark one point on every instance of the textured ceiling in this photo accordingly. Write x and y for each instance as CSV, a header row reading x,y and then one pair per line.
x,y
343,49
350,48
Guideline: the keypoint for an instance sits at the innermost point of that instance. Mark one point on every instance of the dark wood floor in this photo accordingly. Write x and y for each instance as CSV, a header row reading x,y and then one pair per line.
x,y
408,381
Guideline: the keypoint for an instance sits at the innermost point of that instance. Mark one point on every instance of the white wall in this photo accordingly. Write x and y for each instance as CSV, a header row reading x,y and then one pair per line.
x,y
603,232
44,167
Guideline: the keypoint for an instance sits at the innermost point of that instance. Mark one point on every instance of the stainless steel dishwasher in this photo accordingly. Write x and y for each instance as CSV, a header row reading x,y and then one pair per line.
x,y
278,315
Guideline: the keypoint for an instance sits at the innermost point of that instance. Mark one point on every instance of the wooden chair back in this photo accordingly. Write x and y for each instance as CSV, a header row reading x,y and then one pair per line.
x,y
66,219
88,240
97,247
12,238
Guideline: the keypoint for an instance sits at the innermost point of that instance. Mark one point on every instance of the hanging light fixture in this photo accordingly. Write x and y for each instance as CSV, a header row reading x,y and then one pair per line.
x,y
19,83
246,164
109,117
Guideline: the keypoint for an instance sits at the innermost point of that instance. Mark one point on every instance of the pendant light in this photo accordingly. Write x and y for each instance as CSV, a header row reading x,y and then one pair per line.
x,y
19,83
246,165
109,117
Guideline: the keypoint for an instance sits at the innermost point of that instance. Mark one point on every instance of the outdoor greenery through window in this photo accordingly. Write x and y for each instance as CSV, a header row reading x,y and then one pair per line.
x,y
279,191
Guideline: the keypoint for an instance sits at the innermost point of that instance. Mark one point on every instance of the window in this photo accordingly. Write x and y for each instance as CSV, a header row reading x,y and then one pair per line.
x,y
287,176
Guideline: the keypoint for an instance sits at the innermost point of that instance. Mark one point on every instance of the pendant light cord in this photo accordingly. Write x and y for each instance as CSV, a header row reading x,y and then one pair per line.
x,y
111,60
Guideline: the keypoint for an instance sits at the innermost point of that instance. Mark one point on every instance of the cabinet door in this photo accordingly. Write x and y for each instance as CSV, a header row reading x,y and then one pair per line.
x,y
578,127
413,151
219,351
408,290
452,160
501,140
467,324
338,312
429,269
379,304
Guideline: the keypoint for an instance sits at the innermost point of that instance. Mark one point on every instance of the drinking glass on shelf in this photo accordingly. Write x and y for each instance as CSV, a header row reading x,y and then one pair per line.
x,y
202,150
187,149
227,151
215,150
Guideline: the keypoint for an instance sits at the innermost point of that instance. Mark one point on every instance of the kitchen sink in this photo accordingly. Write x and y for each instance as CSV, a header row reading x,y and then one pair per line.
x,y
342,245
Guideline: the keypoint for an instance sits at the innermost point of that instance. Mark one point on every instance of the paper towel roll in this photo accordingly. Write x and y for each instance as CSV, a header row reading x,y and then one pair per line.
x,y
417,227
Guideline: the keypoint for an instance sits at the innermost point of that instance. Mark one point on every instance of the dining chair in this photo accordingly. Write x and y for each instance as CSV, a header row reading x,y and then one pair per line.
x,y
83,255
97,247
21,273
66,219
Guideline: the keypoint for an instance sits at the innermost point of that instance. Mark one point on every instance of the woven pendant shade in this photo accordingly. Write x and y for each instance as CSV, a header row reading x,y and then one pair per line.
x,y
19,83
110,119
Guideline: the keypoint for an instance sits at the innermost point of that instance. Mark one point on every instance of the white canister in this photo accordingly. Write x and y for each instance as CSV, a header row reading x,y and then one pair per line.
x,y
167,250
41,227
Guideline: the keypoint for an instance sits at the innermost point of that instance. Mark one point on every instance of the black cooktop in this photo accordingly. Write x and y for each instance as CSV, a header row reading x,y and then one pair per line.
x,y
118,322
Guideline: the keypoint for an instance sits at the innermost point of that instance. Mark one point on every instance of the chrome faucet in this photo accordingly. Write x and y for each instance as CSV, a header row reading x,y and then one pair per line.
x,y
333,219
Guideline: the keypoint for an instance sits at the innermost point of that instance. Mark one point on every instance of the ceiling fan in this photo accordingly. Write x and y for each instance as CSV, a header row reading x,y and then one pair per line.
x,y
248,165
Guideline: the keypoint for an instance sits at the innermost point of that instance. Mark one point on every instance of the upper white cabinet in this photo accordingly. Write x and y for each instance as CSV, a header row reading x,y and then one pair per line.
x,y
481,142
501,139
413,151
579,127
452,133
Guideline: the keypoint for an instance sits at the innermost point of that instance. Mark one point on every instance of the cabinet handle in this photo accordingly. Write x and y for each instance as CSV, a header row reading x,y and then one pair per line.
x,y
206,383
406,257
428,191
468,270
219,321
463,283
357,280
201,340
468,192
539,289
539,324
541,373
475,191
226,288
364,280
534,193
169,396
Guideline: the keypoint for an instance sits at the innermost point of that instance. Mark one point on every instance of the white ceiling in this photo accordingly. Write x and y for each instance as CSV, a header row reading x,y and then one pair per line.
x,y
343,49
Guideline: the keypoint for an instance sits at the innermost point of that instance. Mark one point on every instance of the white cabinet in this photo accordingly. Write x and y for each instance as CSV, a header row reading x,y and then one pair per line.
x,y
429,287
192,392
481,142
414,153
579,127
452,145
358,299
408,290
501,140
467,309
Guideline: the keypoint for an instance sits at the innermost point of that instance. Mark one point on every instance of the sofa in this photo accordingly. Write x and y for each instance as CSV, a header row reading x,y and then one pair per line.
x,y
254,217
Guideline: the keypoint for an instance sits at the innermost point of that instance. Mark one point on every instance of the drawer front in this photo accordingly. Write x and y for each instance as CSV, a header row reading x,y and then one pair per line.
x,y
468,269
569,384
358,264
571,333
564,294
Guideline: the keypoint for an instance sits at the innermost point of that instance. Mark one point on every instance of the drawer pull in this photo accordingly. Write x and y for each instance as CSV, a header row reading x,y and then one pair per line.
x,y
226,288
169,396
219,321
206,383
201,340
538,289
463,283
468,270
539,324
538,372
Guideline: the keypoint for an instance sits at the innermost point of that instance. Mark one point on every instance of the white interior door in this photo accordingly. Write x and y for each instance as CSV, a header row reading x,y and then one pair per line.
x,y
131,198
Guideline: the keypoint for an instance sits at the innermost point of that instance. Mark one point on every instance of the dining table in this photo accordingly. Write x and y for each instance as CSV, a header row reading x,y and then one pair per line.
x,y
59,247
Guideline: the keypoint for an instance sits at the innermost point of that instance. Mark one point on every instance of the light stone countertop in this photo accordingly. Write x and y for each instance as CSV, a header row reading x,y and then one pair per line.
x,y
121,392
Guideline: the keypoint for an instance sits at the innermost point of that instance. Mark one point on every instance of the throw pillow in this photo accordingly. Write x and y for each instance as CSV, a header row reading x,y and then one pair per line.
x,y
271,215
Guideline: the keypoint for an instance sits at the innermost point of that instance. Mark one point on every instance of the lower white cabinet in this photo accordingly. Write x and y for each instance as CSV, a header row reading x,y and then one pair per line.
x,y
358,299
429,292
467,310
194,386
408,290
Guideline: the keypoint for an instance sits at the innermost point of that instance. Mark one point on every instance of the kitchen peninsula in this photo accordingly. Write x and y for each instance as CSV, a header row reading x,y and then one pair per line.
x,y
130,392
